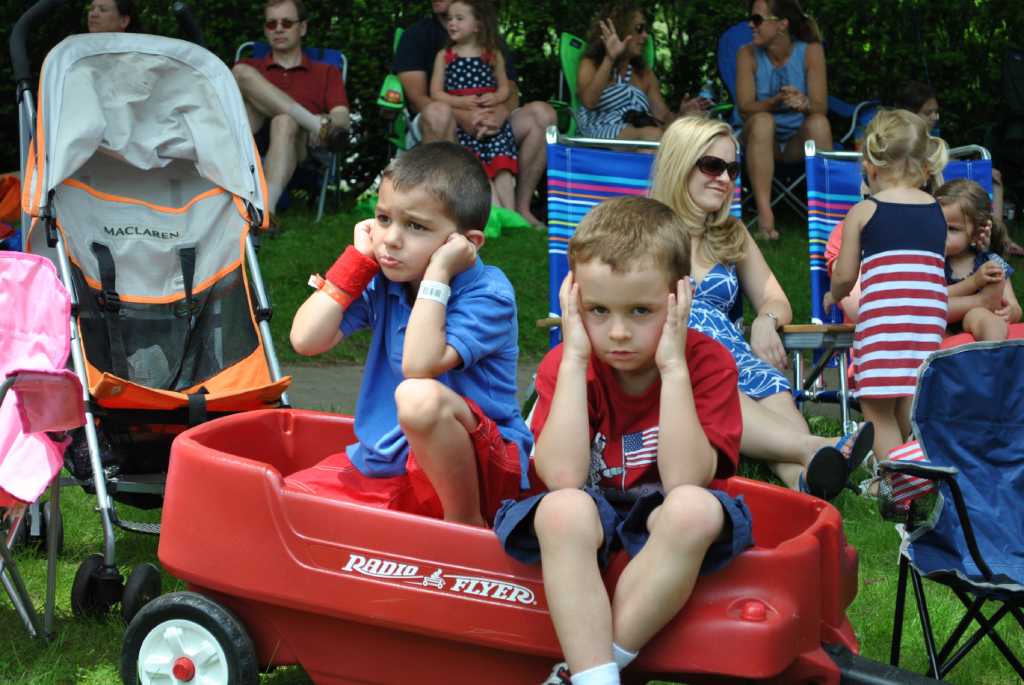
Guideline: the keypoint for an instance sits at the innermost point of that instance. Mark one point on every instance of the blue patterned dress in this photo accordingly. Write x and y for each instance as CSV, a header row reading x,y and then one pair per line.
x,y
712,302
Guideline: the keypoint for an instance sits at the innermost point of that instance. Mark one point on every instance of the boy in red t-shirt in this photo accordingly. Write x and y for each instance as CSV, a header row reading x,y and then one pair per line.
x,y
636,419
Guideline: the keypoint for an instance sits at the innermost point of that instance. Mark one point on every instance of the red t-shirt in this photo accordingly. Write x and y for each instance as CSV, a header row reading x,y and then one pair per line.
x,y
624,428
314,85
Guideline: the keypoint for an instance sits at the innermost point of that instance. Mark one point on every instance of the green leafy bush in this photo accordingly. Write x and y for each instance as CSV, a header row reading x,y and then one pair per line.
x,y
871,45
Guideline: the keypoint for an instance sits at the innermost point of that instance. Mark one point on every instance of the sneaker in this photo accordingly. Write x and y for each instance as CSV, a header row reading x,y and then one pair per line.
x,y
559,675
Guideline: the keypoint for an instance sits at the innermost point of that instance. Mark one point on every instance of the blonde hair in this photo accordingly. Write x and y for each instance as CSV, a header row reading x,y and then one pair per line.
x,y
630,232
974,202
722,236
898,142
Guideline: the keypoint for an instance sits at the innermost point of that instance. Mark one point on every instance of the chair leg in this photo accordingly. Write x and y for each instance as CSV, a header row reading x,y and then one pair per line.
x,y
926,624
973,613
12,582
844,390
897,620
987,626
54,533
323,197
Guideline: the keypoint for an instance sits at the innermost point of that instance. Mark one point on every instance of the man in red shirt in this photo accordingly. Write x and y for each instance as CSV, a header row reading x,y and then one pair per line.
x,y
303,101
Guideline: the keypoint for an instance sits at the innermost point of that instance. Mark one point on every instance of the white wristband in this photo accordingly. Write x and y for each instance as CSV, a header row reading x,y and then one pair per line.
x,y
436,291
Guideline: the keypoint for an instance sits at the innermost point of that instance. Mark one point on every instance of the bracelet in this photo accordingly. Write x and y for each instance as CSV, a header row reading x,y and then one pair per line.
x,y
436,291
352,271
332,291
773,317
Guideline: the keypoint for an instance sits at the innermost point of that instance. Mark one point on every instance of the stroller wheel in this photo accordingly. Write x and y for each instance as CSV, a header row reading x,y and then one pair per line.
x,y
96,588
164,637
143,586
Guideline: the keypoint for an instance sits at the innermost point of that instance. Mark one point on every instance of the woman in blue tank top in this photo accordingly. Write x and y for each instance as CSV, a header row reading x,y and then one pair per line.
x,y
782,94
620,97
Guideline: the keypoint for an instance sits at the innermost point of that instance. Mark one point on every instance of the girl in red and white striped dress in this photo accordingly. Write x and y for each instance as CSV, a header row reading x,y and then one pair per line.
x,y
895,240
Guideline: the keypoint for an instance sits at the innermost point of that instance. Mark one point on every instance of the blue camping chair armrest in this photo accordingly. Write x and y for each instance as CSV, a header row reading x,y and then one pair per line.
x,y
859,114
919,470
946,474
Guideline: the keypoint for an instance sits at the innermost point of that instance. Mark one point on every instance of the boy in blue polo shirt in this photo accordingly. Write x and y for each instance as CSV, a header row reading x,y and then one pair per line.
x,y
438,395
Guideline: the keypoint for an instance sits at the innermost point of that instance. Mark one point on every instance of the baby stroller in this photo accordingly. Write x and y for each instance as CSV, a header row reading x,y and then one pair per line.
x,y
36,394
143,176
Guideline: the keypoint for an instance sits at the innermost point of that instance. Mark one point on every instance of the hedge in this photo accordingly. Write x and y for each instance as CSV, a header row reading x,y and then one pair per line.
x,y
871,45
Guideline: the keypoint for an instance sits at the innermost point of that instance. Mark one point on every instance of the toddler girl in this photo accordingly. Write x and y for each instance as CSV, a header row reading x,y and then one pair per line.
x,y
895,240
981,300
469,75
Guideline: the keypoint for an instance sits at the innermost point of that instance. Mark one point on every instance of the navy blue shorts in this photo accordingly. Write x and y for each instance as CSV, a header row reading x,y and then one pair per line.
x,y
625,527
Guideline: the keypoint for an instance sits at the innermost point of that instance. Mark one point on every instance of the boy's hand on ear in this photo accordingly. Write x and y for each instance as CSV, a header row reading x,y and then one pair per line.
x,y
453,257
671,353
361,237
575,341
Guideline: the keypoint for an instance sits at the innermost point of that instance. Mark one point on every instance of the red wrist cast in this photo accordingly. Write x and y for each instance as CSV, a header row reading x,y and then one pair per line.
x,y
352,271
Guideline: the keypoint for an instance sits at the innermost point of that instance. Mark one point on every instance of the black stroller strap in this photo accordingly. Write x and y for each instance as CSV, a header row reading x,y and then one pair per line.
x,y
110,305
187,309
197,408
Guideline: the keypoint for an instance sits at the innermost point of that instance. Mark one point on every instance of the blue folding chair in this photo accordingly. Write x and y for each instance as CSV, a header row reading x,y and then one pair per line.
x,y
582,175
833,187
968,415
320,170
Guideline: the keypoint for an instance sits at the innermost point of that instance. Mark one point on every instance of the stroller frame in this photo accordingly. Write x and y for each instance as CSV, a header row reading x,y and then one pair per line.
x,y
98,583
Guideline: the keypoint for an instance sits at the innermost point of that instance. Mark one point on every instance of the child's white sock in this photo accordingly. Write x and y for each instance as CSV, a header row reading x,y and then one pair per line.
x,y
623,657
605,674
306,119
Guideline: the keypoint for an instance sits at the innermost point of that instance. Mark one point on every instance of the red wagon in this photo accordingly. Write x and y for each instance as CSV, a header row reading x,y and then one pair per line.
x,y
362,595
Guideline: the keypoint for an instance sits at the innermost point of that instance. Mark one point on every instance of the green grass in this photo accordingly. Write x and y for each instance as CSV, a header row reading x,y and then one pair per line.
x,y
87,651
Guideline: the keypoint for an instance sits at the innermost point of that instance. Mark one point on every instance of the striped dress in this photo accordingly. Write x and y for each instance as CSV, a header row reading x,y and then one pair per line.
x,y
903,297
617,98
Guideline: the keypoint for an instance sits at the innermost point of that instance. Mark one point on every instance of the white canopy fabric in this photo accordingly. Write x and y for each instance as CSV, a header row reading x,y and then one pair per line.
x,y
145,100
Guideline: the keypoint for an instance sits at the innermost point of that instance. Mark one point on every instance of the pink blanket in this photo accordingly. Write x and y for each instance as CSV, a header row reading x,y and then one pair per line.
x,y
35,313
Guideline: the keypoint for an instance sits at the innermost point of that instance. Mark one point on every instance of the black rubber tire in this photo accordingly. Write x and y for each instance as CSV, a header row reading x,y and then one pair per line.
x,y
86,601
143,586
190,606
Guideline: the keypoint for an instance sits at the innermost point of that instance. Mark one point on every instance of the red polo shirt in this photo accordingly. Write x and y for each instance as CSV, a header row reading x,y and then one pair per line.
x,y
314,85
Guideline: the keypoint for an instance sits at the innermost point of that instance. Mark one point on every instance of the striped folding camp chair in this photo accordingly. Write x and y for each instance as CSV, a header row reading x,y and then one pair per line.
x,y
833,187
580,175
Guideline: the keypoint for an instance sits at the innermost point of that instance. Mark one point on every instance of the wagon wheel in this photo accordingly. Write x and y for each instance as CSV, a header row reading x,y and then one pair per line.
x,y
96,588
143,586
187,637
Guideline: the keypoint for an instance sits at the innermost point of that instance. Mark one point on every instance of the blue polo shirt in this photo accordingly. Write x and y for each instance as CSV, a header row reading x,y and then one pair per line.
x,y
480,324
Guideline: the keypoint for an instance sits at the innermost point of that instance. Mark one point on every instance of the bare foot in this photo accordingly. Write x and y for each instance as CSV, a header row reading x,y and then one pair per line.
x,y
528,215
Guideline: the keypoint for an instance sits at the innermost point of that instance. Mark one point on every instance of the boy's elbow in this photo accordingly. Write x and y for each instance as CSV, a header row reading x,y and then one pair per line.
x,y
301,344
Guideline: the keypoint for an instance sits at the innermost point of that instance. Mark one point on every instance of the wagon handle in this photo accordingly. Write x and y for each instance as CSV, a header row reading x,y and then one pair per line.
x,y
187,23
19,56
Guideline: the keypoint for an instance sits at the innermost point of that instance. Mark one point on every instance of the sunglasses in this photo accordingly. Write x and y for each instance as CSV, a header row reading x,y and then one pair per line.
x,y
714,166
640,28
756,19
286,24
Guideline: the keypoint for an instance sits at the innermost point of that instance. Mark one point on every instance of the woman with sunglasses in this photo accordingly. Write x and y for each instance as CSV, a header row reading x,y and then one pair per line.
x,y
112,16
695,174
782,94
620,97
